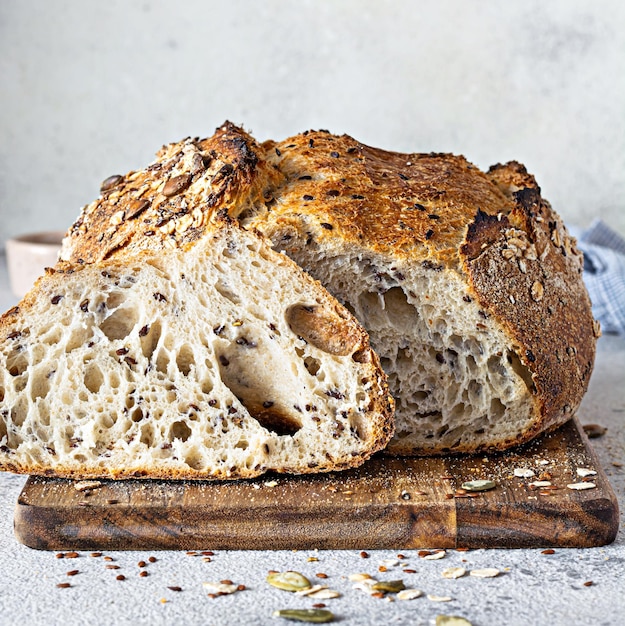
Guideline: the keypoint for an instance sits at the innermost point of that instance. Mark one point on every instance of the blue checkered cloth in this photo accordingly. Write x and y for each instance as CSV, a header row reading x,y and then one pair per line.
x,y
604,274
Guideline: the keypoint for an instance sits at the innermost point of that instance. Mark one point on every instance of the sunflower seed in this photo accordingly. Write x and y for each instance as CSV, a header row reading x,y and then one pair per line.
x,y
488,572
478,485
581,486
583,472
221,588
523,472
289,581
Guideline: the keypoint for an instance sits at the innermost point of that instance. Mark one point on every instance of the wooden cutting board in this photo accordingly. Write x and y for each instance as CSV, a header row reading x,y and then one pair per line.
x,y
388,503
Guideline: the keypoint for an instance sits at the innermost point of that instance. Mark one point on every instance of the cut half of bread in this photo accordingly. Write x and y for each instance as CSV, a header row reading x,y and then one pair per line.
x,y
221,359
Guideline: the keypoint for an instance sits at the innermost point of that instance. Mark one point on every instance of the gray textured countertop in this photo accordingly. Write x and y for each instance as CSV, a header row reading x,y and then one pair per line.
x,y
533,589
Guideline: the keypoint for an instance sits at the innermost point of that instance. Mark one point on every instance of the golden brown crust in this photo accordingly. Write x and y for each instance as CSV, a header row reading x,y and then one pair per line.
x,y
170,203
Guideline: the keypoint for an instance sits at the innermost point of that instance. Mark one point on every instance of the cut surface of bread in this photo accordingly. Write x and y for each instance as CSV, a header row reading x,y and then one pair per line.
x,y
221,360
468,283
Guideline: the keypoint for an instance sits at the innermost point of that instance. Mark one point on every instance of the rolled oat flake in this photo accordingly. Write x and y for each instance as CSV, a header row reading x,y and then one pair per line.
x,y
479,485
313,616
487,572
289,581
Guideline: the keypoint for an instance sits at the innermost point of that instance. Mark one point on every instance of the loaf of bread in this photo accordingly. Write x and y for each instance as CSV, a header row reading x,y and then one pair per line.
x,y
216,359
468,283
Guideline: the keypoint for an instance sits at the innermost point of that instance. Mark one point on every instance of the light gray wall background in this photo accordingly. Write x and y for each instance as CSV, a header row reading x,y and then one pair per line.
x,y
91,88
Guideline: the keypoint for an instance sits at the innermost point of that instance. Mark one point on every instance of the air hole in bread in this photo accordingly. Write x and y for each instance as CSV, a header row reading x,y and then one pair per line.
x,y
312,365
119,324
137,415
162,361
180,430
17,363
150,335
323,328
242,444
39,385
79,337
497,409
18,412
521,370
147,435
184,359
93,377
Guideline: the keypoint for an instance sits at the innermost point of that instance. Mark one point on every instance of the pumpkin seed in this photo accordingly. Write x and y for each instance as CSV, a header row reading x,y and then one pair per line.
x,y
409,594
389,586
289,581
479,485
314,616
451,620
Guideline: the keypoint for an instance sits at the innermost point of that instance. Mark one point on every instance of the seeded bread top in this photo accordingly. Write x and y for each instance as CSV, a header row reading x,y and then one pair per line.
x,y
169,203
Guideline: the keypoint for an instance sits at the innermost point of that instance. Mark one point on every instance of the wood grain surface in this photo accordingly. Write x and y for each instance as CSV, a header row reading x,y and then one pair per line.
x,y
388,503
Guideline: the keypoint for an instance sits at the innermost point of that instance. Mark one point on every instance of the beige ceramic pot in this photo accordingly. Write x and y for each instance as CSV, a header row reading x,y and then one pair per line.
x,y
27,257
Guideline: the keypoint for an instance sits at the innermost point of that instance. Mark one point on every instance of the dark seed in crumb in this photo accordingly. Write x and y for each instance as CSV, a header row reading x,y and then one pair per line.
x,y
333,193
223,360
357,196
308,197
112,501
278,152
419,207
326,226
84,306
305,177
56,299
594,430
429,233
311,143
144,331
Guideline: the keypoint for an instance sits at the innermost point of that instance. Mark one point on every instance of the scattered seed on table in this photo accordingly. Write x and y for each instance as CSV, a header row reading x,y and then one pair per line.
x,y
112,567
434,598
409,594
175,588
72,572
439,554
321,575
152,559
410,571
583,472
141,564
588,583
143,573
120,577
581,486
109,558
319,605
524,472
364,555
451,620
478,485
96,554
207,553
313,616
59,555
548,551
63,585
71,555
288,581
454,572
487,572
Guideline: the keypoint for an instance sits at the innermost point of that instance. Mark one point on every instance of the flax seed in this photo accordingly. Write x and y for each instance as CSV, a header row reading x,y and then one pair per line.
x,y
72,572
63,585
120,577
